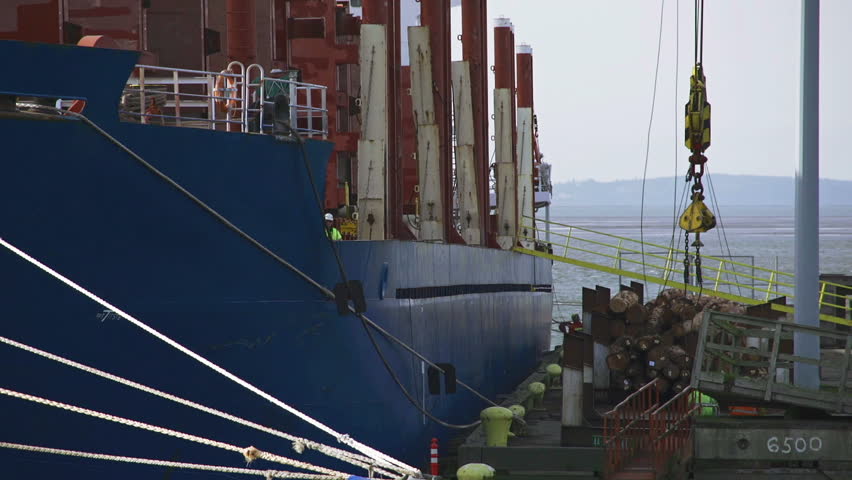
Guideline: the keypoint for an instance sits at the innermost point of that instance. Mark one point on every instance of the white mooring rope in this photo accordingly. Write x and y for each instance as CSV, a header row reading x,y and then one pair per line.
x,y
298,442
249,453
342,438
164,463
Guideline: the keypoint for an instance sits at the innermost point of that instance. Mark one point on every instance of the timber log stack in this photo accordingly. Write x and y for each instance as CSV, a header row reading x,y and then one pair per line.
x,y
652,340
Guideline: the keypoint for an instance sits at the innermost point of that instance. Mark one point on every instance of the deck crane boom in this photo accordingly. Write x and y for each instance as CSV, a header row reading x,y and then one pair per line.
x,y
697,218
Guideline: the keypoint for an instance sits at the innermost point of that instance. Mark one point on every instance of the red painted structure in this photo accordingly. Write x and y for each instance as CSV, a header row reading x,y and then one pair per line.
x,y
525,80
320,39
323,45
67,21
475,52
242,31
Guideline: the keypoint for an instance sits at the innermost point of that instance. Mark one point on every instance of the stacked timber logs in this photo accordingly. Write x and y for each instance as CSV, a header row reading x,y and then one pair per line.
x,y
657,340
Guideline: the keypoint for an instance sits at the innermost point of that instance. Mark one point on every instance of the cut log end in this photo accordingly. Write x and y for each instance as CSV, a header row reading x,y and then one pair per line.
x,y
622,300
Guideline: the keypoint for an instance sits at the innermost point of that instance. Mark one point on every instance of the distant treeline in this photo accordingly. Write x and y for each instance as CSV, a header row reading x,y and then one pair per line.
x,y
729,189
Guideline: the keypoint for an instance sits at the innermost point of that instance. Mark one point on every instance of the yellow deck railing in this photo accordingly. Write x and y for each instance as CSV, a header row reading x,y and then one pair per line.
x,y
654,263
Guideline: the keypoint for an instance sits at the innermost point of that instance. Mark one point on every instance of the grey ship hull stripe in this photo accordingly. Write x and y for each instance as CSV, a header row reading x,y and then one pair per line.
x,y
453,290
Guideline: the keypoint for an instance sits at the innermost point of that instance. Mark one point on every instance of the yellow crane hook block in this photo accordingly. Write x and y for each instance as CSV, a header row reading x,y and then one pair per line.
x,y
697,218
697,130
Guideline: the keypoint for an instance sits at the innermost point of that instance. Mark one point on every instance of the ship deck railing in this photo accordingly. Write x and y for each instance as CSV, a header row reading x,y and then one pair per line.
x,y
228,100
724,276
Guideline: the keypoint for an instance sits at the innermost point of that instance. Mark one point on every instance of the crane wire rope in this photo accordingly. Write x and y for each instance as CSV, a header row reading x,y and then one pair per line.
x,y
697,218
677,147
699,60
648,141
723,233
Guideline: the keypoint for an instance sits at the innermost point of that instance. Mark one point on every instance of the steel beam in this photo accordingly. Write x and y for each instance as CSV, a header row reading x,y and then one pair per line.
x,y
807,202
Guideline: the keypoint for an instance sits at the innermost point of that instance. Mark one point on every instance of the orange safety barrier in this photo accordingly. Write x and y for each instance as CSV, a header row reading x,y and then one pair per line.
x,y
671,429
744,411
627,427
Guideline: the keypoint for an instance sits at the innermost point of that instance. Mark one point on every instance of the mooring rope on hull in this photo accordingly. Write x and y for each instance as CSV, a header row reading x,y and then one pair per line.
x,y
170,464
299,443
386,460
249,453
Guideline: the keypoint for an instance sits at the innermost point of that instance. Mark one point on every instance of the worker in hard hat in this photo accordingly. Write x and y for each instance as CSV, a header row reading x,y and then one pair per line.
x,y
330,230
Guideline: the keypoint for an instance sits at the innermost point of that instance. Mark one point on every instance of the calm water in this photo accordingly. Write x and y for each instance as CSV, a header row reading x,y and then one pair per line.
x,y
758,235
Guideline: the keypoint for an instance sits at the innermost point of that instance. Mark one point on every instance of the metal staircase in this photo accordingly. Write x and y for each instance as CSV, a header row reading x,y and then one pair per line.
x,y
644,439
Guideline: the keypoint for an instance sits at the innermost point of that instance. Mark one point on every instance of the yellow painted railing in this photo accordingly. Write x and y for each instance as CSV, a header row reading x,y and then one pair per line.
x,y
723,277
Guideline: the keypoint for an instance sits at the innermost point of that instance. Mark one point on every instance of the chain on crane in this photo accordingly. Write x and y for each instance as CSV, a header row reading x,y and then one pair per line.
x,y
697,218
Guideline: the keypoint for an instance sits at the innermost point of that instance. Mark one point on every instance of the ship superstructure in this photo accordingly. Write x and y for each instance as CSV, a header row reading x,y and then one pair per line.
x,y
258,109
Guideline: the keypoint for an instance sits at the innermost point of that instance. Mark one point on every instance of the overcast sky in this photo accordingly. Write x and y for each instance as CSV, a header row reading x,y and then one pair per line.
x,y
594,73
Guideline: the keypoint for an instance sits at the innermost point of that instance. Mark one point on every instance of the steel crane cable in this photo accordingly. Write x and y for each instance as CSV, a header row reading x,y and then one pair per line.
x,y
648,142
676,149
699,31
723,233
697,218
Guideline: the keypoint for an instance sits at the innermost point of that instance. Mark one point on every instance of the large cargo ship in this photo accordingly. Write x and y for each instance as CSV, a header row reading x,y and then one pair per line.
x,y
94,196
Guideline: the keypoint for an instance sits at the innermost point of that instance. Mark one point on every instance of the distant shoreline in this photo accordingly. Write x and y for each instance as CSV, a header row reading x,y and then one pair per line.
x,y
729,191
558,210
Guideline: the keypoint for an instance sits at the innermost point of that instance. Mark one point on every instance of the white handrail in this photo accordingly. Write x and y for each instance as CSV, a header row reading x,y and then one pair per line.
x,y
190,98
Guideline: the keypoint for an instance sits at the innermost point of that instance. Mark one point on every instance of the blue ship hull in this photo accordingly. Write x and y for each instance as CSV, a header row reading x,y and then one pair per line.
x,y
75,201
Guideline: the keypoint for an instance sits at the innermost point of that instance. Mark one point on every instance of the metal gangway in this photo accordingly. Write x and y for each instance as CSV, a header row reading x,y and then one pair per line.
x,y
745,358
660,264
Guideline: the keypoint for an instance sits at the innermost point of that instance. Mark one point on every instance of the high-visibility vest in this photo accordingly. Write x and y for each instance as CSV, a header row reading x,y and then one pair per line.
x,y
709,405
334,234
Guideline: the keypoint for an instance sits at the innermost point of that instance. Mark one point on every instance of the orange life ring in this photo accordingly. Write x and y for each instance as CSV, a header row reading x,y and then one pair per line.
x,y
225,89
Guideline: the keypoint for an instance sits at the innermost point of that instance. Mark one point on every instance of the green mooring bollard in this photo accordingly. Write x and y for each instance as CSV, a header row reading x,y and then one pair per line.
x,y
496,422
554,374
537,393
518,410
475,471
